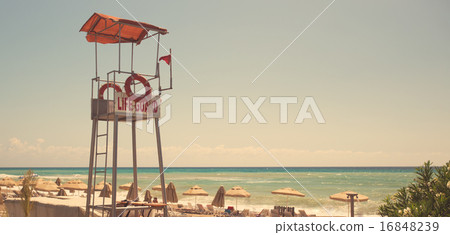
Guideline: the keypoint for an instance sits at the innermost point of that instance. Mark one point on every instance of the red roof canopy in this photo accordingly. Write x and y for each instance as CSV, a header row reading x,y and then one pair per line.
x,y
105,29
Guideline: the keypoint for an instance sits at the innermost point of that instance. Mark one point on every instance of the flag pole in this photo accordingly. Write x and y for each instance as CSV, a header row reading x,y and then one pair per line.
x,y
170,68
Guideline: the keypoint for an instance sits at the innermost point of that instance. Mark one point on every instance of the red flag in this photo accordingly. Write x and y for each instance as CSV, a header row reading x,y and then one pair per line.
x,y
167,59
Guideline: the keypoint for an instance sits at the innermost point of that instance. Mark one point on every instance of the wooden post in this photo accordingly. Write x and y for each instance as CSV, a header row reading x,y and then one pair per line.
x,y
133,137
161,165
114,170
91,165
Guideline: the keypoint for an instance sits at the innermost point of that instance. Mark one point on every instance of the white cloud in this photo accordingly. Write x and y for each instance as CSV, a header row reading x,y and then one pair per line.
x,y
37,154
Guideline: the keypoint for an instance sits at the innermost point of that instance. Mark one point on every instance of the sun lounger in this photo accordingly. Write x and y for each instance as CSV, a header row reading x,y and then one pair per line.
x,y
210,209
274,213
263,213
17,193
303,214
245,213
201,208
189,206
288,214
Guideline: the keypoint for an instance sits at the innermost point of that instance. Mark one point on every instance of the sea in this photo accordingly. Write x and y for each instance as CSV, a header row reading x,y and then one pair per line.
x,y
317,183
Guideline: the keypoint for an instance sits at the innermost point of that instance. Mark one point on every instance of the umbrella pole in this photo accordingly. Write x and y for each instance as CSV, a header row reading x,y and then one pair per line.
x,y
236,203
352,206
287,200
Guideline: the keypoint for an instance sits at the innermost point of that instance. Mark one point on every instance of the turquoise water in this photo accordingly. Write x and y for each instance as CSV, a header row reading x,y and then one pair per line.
x,y
318,184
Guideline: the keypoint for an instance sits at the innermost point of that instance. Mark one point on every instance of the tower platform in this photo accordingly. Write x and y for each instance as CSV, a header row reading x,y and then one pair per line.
x,y
107,112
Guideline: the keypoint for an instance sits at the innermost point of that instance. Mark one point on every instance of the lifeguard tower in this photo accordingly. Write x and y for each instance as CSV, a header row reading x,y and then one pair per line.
x,y
122,105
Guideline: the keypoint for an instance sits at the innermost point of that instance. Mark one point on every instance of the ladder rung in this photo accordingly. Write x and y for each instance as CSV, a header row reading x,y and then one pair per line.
x,y
99,171
101,153
102,135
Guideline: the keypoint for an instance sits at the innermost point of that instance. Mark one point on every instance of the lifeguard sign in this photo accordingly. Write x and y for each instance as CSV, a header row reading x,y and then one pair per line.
x,y
127,106
122,105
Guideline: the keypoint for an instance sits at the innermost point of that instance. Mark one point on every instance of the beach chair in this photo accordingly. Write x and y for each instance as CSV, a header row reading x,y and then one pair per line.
x,y
274,213
245,212
303,214
210,209
263,213
189,206
287,214
201,209
171,209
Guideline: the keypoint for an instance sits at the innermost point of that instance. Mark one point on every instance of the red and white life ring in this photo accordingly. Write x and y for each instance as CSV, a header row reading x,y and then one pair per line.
x,y
148,88
106,86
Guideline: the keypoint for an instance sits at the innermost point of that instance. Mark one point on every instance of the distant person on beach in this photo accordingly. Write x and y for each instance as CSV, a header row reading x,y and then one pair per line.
x,y
155,200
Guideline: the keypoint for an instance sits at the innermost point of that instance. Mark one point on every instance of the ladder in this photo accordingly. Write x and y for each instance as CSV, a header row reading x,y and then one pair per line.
x,y
98,167
97,155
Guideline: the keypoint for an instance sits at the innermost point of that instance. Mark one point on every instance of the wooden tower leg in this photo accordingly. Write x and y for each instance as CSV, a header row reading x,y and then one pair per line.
x,y
91,166
133,137
114,170
161,165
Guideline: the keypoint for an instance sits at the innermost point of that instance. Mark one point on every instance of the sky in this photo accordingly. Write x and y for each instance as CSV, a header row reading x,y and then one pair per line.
x,y
377,70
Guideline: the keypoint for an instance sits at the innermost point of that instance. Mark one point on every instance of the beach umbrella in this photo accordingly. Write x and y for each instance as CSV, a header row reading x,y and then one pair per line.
x,y
219,199
127,186
101,185
171,193
196,191
33,182
47,186
237,192
58,182
61,192
350,197
158,187
148,196
74,185
132,195
106,191
8,182
288,192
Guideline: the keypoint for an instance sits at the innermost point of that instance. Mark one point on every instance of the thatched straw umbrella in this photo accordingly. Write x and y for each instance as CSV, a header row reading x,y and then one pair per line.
x,y
8,182
350,197
100,186
127,186
73,185
58,182
219,199
237,192
61,192
106,191
47,186
196,191
171,193
148,196
158,187
34,181
288,192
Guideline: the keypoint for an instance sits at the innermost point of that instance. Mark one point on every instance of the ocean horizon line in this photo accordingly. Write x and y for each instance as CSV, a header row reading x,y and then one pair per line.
x,y
219,167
